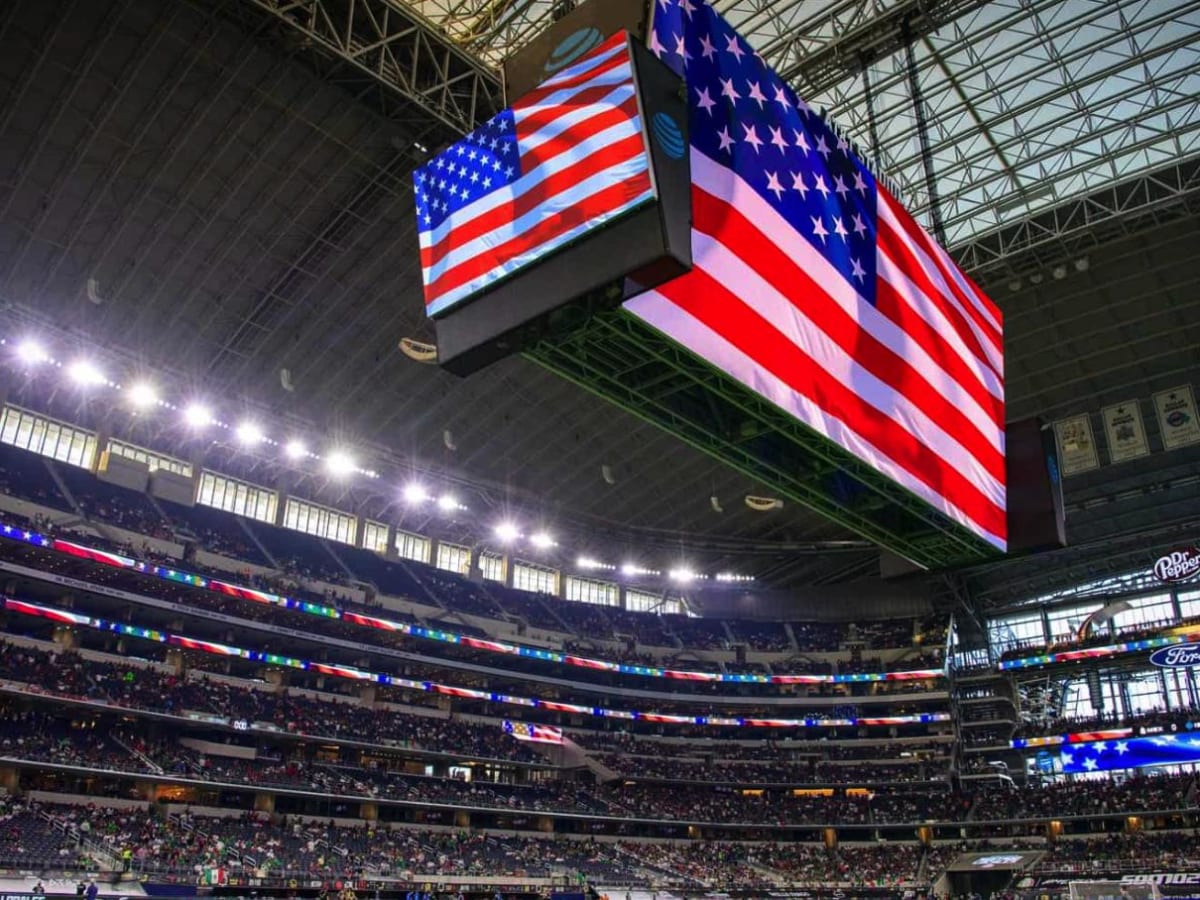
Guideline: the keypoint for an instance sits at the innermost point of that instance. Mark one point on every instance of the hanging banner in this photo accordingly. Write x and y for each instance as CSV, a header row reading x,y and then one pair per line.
x,y
1177,422
1076,445
1125,431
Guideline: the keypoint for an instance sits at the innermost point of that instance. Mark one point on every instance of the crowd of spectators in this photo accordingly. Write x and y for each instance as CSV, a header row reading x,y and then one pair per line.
x,y
288,585
1167,720
804,770
144,687
1085,798
1113,854
183,846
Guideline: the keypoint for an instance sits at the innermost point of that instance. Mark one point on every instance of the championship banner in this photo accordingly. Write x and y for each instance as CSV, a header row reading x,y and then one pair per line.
x,y
1076,445
1177,422
1125,431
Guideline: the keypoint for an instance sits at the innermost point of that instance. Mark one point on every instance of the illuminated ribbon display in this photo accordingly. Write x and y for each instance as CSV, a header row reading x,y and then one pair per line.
x,y
107,558
175,640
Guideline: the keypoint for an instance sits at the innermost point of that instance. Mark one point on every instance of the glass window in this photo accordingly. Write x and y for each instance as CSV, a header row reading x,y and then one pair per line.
x,y
412,546
492,566
1153,610
321,521
375,536
150,458
1066,621
585,590
1189,604
237,497
534,578
453,558
43,436
642,601
1023,630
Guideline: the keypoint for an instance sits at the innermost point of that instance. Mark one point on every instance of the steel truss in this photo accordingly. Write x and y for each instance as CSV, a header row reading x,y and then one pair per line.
x,y
384,51
845,37
619,358
1069,230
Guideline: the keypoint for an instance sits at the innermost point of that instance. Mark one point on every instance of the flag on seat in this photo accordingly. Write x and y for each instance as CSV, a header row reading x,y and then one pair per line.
x,y
564,159
815,288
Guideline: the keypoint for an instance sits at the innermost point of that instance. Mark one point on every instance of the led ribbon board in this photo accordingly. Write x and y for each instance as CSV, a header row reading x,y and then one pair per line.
x,y
351,672
229,589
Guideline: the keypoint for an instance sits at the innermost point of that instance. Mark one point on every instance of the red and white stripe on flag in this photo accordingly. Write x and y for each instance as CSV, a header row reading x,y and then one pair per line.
x,y
814,288
563,160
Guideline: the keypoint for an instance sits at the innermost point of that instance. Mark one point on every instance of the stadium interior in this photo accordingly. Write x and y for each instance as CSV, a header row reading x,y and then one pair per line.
x,y
289,611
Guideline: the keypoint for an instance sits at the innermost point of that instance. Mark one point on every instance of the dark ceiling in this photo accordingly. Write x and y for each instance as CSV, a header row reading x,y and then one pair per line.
x,y
239,217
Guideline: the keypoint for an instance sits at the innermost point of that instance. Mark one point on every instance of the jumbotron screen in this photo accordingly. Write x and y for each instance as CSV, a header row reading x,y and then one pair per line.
x,y
564,160
814,287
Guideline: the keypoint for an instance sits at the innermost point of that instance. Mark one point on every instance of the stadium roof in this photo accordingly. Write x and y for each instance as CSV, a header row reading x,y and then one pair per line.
x,y
219,189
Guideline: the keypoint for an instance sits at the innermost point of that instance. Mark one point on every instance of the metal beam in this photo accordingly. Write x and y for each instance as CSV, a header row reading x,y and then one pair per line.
x,y
385,44
1071,229
862,33
618,358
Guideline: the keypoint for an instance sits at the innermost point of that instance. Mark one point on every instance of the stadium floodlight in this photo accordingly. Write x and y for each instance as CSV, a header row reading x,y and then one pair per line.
x,y
542,540
415,493
85,373
249,433
32,353
682,575
142,395
447,503
197,415
507,532
629,569
295,449
339,464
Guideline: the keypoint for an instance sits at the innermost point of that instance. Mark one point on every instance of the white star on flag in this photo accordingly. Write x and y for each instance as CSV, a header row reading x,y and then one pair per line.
x,y
773,184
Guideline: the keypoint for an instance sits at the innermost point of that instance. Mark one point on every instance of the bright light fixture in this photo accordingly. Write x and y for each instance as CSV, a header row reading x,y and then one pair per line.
x,y
630,569
683,575
541,539
31,353
339,463
142,395
197,415
84,372
447,503
415,493
249,433
295,449
507,531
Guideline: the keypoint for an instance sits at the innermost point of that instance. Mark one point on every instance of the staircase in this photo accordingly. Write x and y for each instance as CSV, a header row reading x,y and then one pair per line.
x,y
553,613
341,563
97,851
137,754
574,755
257,543
791,635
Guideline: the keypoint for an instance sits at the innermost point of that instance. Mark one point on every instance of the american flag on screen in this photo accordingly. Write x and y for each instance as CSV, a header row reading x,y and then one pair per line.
x,y
537,734
565,158
815,288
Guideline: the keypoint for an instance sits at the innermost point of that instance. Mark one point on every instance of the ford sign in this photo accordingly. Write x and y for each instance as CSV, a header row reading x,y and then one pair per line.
x,y
1178,565
1181,656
